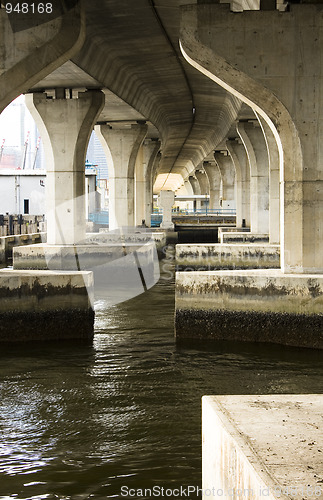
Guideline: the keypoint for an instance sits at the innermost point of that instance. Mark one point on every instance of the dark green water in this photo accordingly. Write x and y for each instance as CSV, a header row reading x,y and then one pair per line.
x,y
80,421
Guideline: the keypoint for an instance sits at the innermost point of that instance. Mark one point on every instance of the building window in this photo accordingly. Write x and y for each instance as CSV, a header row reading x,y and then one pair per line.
x,y
26,206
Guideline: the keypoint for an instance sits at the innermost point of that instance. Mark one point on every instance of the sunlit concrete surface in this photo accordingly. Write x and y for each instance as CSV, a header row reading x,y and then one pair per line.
x,y
263,446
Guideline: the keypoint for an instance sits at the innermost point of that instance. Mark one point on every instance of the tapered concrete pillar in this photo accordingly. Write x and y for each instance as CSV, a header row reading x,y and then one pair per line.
x,y
35,52
253,140
226,169
144,180
203,182
274,185
65,126
242,170
214,177
204,186
166,201
123,144
196,190
188,187
280,83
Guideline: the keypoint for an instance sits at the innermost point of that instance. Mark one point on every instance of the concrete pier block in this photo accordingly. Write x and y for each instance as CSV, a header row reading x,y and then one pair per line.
x,y
120,270
244,237
250,305
45,305
213,256
262,446
7,243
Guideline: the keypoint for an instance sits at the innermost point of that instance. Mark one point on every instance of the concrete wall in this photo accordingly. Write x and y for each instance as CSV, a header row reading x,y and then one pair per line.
x,y
250,305
226,256
44,305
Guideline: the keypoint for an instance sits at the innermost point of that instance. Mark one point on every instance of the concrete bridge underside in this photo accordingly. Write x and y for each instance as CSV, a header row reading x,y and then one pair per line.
x,y
189,95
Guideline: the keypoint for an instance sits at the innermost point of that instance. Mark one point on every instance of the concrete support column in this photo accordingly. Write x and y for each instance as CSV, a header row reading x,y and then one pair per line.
x,y
123,144
204,185
65,126
274,184
166,202
293,112
214,177
242,170
196,190
226,169
253,140
144,181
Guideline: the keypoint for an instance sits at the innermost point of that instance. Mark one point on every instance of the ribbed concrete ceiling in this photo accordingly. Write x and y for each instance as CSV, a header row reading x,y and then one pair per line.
x,y
132,50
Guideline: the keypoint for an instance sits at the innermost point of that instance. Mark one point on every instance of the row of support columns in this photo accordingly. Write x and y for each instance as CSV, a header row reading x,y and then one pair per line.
x,y
65,123
245,176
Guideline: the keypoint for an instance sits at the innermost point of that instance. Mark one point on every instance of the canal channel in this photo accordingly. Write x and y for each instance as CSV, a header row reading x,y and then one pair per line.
x,y
123,414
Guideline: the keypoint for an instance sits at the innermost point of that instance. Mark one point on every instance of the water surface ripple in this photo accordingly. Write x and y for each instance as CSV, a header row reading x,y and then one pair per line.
x,y
81,421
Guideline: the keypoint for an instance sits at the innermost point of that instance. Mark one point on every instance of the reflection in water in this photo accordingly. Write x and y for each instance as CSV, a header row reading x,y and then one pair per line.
x,y
80,421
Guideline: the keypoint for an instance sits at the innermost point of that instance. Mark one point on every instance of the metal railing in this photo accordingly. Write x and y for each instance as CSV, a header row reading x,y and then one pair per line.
x,y
157,217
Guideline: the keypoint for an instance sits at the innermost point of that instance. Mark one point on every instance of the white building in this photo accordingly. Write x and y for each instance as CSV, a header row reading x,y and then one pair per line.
x,y
23,191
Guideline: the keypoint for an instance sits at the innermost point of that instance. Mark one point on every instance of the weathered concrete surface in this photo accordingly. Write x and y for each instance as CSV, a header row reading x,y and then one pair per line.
x,y
222,230
104,236
121,270
212,256
65,126
44,305
244,237
28,55
250,305
8,242
122,144
263,446
216,41
75,257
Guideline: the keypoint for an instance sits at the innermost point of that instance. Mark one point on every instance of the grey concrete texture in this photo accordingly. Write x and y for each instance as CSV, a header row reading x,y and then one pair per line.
x,y
244,237
211,256
45,305
263,445
225,47
250,305
42,50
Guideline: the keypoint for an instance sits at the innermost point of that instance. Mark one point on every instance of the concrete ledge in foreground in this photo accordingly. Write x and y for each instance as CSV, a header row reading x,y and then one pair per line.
x,y
211,256
45,305
257,447
257,306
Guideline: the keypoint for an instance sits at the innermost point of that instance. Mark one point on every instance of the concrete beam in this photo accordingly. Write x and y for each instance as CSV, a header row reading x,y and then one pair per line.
x,y
42,49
